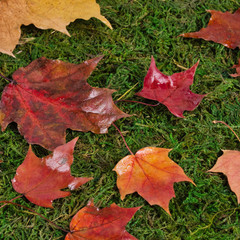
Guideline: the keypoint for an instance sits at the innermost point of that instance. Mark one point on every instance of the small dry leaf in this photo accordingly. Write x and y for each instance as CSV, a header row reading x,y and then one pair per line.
x,y
237,66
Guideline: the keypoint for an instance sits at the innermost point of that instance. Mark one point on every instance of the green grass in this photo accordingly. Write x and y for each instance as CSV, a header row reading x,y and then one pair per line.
x,y
141,29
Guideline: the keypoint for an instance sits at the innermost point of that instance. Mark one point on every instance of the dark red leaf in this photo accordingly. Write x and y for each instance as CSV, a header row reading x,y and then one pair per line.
x,y
222,28
49,96
172,91
105,224
40,179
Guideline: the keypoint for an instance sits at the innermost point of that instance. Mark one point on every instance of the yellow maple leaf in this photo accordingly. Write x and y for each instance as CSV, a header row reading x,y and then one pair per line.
x,y
44,14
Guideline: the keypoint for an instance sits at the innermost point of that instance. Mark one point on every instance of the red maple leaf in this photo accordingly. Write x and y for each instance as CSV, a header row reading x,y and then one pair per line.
x,y
222,28
151,173
105,224
237,66
49,96
40,179
172,91
229,164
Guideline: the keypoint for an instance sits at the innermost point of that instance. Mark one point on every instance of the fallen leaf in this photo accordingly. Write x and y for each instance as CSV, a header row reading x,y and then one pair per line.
x,y
40,179
229,164
237,66
49,96
45,14
105,224
222,28
172,91
151,173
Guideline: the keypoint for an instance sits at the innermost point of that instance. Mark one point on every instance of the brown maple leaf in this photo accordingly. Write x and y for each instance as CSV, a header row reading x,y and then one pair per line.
x,y
151,173
222,28
237,66
49,96
229,164
172,91
40,179
44,14
105,224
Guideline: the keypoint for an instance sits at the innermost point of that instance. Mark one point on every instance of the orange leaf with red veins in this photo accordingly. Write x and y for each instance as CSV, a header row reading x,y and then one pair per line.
x,y
151,173
222,28
40,179
237,66
49,96
229,164
172,91
101,224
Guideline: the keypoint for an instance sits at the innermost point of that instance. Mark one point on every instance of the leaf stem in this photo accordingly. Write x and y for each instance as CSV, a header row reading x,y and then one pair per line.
x,y
147,104
7,79
123,138
215,121
29,209
11,201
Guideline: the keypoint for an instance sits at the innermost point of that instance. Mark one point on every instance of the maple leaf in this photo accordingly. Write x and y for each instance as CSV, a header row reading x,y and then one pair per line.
x,y
172,91
229,164
49,96
222,28
105,224
237,66
44,14
151,173
40,179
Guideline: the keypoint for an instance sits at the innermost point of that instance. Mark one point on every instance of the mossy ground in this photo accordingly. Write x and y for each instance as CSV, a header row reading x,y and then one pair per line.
x,y
141,29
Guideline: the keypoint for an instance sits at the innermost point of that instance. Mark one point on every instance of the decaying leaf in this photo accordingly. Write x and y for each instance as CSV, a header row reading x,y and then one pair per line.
x,y
44,14
40,179
49,96
222,28
172,91
151,173
105,224
237,66
229,164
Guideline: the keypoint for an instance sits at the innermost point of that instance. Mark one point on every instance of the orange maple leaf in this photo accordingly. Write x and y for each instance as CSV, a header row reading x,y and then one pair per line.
x,y
229,164
151,173
101,224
